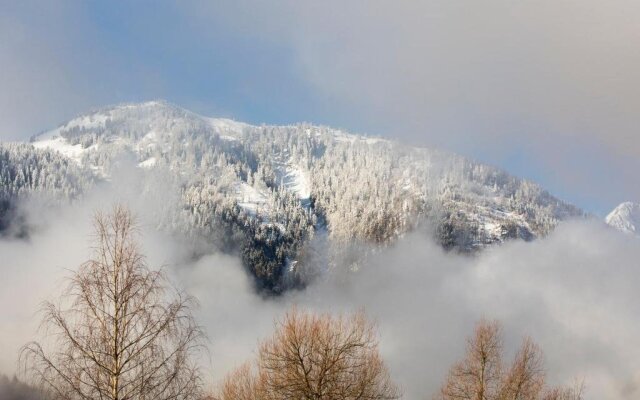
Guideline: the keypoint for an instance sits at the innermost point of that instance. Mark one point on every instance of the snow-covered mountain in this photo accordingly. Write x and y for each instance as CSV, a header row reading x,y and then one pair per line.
x,y
625,217
273,192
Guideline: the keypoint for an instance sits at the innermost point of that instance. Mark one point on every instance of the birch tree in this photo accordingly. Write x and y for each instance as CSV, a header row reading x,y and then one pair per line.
x,y
120,331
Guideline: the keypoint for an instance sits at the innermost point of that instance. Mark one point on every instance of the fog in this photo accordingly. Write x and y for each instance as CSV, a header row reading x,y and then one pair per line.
x,y
574,292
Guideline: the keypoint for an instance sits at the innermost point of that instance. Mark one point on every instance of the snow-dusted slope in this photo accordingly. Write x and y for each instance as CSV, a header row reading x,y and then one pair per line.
x,y
276,185
132,126
53,141
625,217
348,175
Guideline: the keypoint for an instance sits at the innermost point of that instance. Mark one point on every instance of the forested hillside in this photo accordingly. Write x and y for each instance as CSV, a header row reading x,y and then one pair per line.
x,y
289,199
44,174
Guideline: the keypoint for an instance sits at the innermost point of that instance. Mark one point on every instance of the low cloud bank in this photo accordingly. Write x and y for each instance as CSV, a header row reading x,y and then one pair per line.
x,y
574,292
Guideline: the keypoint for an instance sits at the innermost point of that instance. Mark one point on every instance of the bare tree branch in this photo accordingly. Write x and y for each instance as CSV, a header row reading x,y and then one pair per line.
x,y
317,357
125,332
480,376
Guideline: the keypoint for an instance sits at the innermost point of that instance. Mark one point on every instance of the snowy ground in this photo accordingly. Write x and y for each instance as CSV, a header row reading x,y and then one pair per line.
x,y
57,143
252,200
228,129
295,180
148,163
341,136
492,221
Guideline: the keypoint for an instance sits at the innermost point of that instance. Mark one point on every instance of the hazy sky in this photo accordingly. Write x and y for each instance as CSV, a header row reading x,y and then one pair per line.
x,y
549,90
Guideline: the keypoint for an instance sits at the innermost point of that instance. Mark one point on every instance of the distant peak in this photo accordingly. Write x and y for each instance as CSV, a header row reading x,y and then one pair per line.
x,y
625,217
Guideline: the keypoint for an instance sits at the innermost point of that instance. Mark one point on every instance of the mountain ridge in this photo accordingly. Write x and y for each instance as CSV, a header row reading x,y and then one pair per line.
x,y
281,189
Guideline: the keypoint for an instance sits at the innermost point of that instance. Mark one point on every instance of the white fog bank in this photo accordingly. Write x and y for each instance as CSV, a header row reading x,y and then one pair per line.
x,y
574,292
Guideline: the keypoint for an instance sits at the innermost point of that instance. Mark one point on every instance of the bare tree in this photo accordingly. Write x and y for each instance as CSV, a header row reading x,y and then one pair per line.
x,y
565,393
121,331
242,384
315,357
481,376
525,378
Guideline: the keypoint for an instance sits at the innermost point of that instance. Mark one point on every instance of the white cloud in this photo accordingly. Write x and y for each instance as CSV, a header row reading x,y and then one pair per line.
x,y
573,292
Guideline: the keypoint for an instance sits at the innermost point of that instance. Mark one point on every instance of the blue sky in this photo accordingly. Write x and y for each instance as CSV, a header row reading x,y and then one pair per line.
x,y
205,68
546,90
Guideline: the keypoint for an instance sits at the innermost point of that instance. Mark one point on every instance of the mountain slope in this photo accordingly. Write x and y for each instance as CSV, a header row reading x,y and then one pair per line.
x,y
42,175
272,192
625,217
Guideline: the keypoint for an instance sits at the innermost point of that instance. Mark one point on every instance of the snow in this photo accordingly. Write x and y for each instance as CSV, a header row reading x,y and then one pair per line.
x,y
249,198
370,140
492,229
492,221
49,135
227,128
156,130
148,163
151,136
228,138
57,143
340,136
277,225
133,106
87,122
625,217
92,121
295,180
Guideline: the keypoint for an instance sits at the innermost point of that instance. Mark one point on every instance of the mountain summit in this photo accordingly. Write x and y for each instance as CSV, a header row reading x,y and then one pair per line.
x,y
625,217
